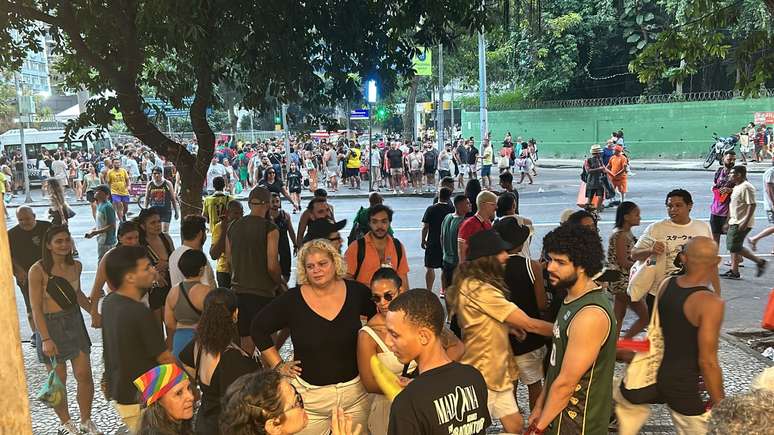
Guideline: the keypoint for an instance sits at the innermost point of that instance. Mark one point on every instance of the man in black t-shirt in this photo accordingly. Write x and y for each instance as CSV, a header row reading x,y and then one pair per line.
x,y
395,160
472,162
132,341
447,397
431,234
25,241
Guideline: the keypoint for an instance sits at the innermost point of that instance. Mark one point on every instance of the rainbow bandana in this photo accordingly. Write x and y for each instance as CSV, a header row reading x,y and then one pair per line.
x,y
157,381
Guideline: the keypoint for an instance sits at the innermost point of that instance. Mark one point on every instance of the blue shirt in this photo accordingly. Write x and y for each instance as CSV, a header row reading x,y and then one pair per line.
x,y
106,215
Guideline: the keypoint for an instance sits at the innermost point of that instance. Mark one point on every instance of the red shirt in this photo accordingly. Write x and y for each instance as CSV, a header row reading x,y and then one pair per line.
x,y
471,226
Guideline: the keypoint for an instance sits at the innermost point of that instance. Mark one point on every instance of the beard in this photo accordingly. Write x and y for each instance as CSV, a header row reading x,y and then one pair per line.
x,y
564,283
379,234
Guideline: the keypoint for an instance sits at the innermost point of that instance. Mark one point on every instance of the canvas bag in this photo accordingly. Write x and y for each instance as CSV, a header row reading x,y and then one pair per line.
x,y
643,370
53,391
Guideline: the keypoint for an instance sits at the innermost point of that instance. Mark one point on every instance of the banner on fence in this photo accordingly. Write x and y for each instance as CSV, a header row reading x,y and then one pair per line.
x,y
765,118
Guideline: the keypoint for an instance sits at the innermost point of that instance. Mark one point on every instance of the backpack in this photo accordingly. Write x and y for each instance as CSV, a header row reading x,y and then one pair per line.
x,y
358,231
361,254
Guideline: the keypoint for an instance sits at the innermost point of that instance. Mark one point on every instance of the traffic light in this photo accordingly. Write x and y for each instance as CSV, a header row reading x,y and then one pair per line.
x,y
381,113
278,120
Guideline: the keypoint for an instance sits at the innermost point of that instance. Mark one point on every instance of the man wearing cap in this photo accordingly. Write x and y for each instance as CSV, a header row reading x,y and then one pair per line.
x,y
325,229
524,278
106,221
485,316
617,170
595,172
252,247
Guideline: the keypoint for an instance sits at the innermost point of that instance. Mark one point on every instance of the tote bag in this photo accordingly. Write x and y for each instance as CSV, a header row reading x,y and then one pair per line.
x,y
643,370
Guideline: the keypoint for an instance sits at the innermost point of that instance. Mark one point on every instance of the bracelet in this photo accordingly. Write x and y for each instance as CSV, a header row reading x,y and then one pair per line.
x,y
45,340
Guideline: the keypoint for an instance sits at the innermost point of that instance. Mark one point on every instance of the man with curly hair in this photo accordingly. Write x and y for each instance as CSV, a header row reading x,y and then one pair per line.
x,y
578,392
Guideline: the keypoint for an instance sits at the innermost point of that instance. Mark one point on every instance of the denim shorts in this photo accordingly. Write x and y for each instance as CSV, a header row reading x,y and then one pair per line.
x,y
68,332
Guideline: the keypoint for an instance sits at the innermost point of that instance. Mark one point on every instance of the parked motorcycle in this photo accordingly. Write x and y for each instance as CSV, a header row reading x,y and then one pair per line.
x,y
718,148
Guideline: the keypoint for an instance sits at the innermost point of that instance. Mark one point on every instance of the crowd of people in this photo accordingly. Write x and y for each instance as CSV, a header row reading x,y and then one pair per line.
x,y
189,348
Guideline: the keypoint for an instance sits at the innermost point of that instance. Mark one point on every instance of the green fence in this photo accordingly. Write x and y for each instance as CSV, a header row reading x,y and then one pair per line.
x,y
670,130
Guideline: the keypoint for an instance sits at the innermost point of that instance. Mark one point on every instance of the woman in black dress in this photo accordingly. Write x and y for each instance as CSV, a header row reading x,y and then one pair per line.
x,y
295,181
274,185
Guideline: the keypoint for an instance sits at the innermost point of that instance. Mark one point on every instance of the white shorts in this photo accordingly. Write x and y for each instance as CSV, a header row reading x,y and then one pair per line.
x,y
501,403
530,366
463,168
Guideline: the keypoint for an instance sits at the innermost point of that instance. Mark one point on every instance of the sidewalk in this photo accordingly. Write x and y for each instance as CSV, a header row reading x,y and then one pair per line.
x,y
739,364
656,165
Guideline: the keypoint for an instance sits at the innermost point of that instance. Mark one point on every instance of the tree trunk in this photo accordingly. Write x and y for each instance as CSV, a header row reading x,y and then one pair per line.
x,y
408,115
15,417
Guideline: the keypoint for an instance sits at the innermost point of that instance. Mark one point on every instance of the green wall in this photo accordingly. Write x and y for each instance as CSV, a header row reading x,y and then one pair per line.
x,y
669,130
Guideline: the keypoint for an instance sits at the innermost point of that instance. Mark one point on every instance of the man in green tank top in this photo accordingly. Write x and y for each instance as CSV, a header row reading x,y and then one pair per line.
x,y
578,394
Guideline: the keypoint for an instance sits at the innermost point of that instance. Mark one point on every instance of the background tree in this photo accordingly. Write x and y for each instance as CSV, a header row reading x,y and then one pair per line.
x,y
271,52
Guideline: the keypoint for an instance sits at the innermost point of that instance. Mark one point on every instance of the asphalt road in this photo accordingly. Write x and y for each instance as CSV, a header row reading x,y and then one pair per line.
x,y
555,190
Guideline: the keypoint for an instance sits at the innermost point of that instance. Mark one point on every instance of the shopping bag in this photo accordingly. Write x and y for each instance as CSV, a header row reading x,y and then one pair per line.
x,y
53,391
238,187
768,314
643,370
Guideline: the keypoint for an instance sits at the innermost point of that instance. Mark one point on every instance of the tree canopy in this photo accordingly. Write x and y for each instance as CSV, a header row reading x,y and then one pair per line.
x,y
266,52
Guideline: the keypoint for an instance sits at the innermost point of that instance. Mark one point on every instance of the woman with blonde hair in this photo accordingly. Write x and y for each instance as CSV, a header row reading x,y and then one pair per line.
x,y
323,316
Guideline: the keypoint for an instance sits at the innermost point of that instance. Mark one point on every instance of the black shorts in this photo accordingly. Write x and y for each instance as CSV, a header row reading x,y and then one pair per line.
x,y
591,193
717,223
249,305
447,274
433,257
442,173
429,172
165,214
224,279
157,297
353,172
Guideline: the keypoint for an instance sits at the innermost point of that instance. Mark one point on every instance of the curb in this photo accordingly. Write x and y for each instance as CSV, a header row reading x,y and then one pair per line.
x,y
753,170
730,339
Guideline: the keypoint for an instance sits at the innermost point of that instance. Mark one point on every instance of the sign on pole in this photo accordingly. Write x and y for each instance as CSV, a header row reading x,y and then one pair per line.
x,y
359,114
423,62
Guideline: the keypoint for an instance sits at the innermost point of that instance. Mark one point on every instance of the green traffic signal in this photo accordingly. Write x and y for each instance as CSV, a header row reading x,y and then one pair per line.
x,y
381,113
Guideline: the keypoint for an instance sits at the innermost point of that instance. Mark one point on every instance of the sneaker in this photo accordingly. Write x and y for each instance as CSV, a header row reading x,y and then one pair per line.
x,y
731,275
88,427
761,268
68,428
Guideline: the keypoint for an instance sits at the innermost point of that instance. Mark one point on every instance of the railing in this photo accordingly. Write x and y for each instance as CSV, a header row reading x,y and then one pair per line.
x,y
639,99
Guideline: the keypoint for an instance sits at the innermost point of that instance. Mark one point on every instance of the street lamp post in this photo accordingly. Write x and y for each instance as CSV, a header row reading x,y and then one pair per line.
x,y
371,94
22,145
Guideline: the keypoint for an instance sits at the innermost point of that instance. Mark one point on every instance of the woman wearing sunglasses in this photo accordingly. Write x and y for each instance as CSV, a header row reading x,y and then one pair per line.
x,y
385,286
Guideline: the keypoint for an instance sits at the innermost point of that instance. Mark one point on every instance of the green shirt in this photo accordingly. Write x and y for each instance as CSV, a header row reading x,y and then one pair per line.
x,y
449,229
588,411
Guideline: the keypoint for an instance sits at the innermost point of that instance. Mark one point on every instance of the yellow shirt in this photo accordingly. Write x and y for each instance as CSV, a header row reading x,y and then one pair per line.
x,y
481,311
354,162
223,264
2,182
118,180
215,207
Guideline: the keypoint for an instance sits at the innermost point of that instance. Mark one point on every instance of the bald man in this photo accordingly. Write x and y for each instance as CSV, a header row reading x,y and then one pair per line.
x,y
25,240
691,315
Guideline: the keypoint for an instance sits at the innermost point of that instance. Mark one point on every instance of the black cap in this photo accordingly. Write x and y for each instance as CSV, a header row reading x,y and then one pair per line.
x,y
322,229
485,243
512,231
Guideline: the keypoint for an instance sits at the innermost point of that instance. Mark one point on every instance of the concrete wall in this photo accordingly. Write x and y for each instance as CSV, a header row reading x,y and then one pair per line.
x,y
669,130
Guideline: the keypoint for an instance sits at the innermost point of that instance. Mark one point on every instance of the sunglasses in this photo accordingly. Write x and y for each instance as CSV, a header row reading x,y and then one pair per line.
x,y
388,297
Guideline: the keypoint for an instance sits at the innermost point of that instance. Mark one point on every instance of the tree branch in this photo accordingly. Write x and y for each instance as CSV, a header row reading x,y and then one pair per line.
x,y
33,14
70,26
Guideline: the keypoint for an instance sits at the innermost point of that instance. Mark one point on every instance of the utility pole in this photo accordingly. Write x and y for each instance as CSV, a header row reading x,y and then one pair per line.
x,y
348,121
482,111
287,137
22,145
439,116
252,130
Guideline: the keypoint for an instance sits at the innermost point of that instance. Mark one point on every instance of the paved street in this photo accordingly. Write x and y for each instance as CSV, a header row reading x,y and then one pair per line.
x,y
554,191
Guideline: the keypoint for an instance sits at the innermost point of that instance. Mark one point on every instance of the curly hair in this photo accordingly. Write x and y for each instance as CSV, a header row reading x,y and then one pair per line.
x,y
250,402
487,270
580,244
745,414
318,246
156,421
216,328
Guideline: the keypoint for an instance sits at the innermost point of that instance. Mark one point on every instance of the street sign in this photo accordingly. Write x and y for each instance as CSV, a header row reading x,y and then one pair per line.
x,y
765,118
359,114
423,62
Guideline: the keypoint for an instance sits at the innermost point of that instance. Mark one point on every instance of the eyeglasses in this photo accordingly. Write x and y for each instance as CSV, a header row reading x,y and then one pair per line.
x,y
298,403
335,239
387,297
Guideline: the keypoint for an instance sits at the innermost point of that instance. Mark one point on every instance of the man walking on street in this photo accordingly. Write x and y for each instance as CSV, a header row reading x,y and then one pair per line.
x,y
506,183
252,247
118,180
691,316
721,195
106,222
394,158
449,231
578,391
377,249
740,222
214,206
768,205
194,234
25,241
431,234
